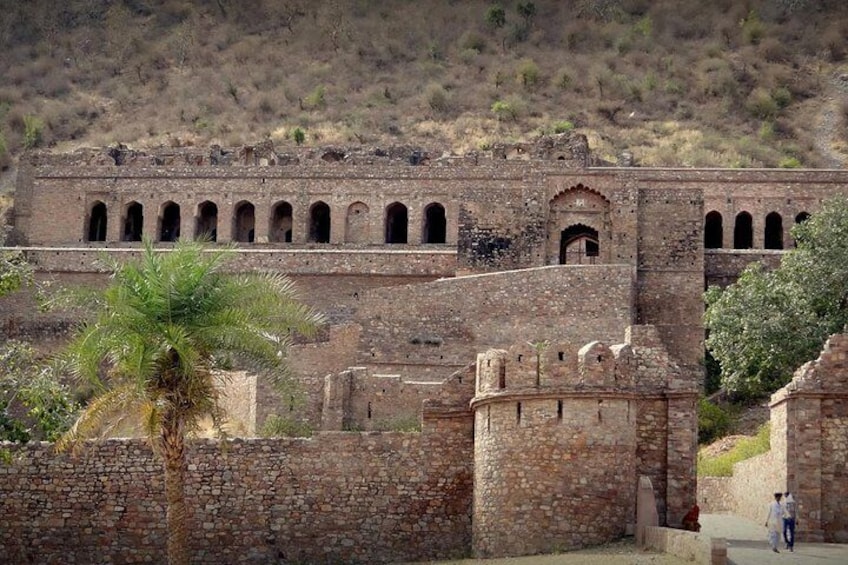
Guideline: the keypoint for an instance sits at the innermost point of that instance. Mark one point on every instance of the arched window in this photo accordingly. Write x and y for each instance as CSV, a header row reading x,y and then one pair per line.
x,y
244,222
743,231
774,231
357,223
397,223
206,225
319,223
435,224
169,222
578,245
133,222
281,223
97,222
713,231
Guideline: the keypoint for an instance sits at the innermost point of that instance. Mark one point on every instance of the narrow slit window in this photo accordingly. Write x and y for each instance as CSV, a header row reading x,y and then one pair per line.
x,y
559,410
518,413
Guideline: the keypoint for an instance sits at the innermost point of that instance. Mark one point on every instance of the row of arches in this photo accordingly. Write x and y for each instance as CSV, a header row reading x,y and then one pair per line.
x,y
743,230
281,223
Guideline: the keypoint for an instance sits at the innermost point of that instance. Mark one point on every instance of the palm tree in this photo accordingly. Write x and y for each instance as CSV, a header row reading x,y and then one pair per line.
x,y
160,329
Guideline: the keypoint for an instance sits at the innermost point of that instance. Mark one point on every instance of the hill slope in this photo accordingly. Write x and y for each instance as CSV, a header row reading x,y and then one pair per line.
x,y
675,82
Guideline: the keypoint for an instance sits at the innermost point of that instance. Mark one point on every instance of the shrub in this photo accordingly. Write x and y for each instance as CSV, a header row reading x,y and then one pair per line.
x,y
316,99
437,98
280,426
713,421
495,16
790,163
563,126
33,131
299,136
753,30
528,73
722,465
510,108
563,79
2,144
766,132
761,104
782,97
472,40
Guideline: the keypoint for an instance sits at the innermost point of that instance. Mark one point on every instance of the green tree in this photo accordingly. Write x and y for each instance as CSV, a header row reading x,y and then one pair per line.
x,y
299,136
767,324
161,328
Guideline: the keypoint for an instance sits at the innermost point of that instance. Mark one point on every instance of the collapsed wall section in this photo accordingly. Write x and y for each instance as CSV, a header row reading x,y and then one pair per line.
x,y
338,497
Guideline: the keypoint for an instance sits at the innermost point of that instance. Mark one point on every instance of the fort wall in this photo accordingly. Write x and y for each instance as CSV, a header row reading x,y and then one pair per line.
x,y
444,323
338,497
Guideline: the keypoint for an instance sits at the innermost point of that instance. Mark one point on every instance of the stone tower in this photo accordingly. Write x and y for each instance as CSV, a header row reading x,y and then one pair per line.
x,y
555,448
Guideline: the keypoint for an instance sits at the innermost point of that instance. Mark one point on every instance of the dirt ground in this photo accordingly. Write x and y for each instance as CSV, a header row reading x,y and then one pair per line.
x,y
619,553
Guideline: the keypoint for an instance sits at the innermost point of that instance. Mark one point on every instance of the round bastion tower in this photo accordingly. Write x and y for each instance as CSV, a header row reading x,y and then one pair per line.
x,y
554,448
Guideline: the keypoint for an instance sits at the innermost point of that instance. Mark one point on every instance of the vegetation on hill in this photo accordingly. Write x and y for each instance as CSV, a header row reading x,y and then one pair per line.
x,y
676,82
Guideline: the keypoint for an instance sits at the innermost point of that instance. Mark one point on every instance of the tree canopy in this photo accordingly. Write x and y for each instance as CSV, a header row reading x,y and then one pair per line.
x,y
768,323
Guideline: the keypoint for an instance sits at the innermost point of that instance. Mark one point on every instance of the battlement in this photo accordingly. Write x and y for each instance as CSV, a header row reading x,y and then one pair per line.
x,y
641,362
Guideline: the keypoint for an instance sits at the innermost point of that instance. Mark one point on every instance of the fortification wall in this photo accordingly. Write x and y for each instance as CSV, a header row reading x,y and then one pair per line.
x,y
552,473
338,497
446,322
358,262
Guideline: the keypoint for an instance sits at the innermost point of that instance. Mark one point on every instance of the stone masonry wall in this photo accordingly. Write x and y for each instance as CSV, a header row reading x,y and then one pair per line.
x,y
338,497
427,324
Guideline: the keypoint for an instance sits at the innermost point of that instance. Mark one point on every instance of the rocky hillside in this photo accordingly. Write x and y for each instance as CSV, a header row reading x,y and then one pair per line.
x,y
674,82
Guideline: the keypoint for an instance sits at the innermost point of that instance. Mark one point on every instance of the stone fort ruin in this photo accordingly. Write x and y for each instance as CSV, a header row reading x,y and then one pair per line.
x,y
539,316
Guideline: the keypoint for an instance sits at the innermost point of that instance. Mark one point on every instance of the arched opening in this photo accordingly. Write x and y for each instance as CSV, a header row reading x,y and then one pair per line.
x,y
244,222
578,246
357,223
435,224
774,231
97,222
743,231
281,223
319,223
206,226
397,223
713,231
133,222
169,222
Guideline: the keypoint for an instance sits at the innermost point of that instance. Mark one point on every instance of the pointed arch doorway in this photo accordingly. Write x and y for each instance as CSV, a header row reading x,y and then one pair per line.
x,y
578,245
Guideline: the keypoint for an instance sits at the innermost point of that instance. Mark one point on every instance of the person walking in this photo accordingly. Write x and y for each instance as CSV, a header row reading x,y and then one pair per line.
x,y
790,511
774,521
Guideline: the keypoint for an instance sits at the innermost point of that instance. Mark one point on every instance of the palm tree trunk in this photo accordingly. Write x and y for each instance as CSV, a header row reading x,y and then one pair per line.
x,y
173,454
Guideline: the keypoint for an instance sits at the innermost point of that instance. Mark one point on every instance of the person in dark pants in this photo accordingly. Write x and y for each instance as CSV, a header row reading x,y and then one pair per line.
x,y
790,511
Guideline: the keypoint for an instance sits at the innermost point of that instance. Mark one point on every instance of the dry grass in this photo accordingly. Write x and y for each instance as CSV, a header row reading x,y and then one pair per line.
x,y
145,73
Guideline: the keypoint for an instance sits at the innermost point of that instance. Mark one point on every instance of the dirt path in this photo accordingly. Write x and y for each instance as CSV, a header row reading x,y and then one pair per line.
x,y
618,553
